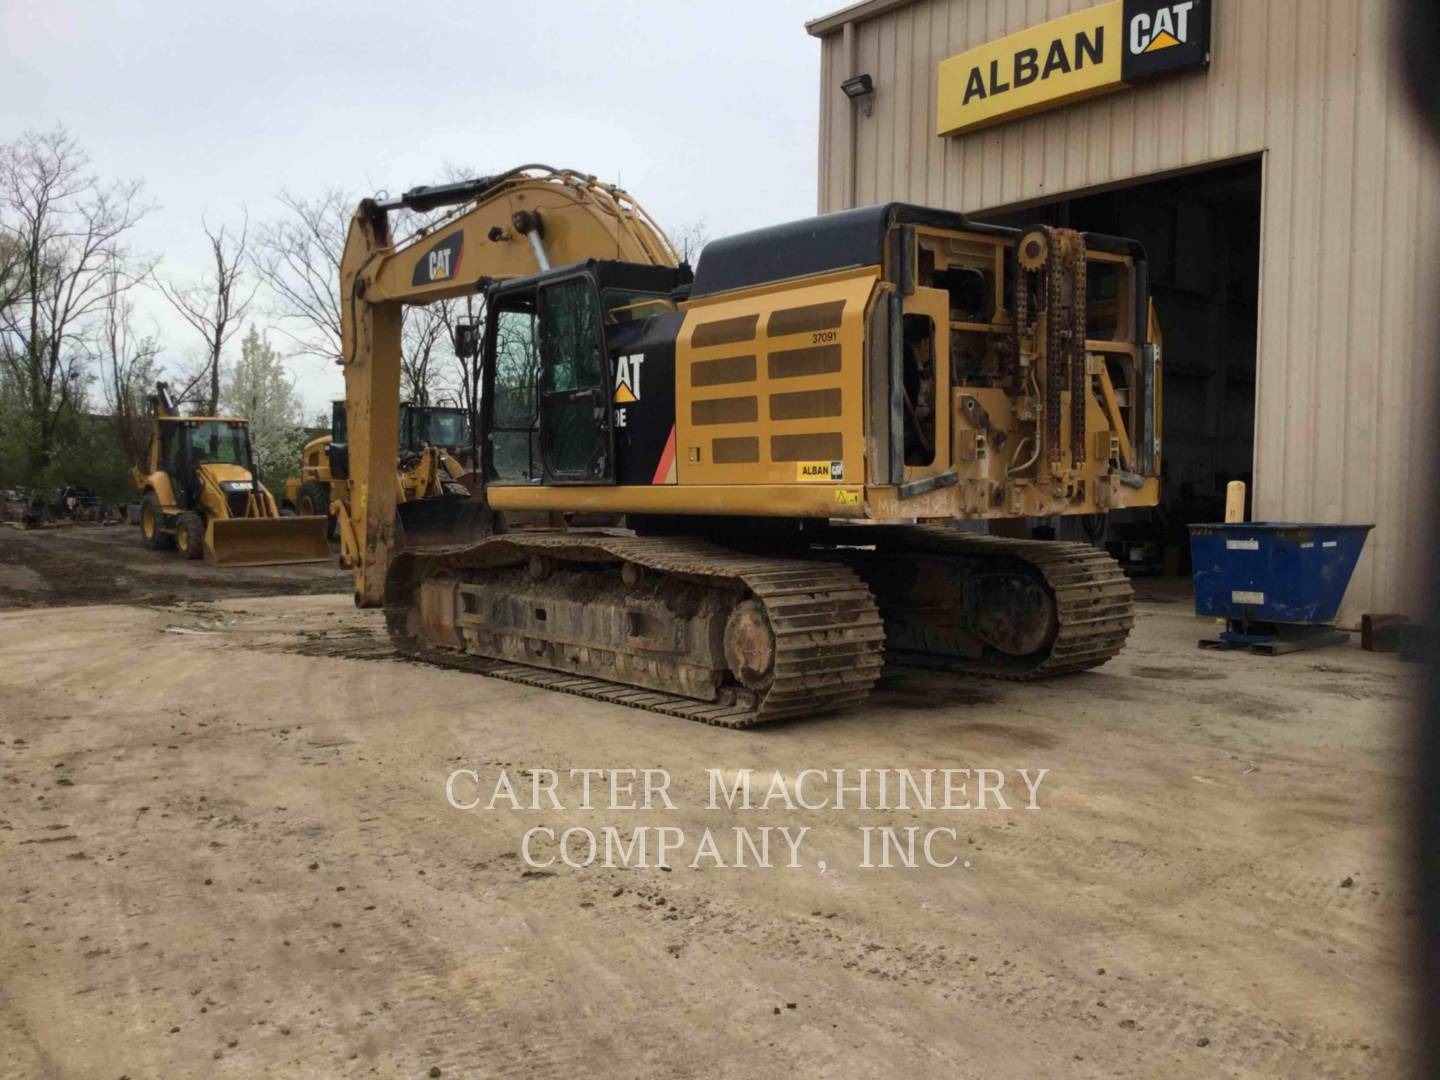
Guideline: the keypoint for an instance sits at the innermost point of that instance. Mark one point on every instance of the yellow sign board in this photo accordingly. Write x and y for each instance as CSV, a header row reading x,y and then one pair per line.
x,y
1072,57
1095,51
827,471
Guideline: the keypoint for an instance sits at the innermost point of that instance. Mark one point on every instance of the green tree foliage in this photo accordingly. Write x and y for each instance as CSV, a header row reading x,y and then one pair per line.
x,y
83,448
259,389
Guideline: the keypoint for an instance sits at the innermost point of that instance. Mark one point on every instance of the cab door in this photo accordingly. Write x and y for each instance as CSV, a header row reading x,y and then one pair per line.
x,y
576,429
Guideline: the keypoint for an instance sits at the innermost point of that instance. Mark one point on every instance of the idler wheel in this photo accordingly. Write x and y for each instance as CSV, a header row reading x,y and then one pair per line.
x,y
1017,615
750,645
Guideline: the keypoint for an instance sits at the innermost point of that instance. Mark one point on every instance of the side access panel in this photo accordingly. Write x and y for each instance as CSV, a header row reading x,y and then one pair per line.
x,y
770,385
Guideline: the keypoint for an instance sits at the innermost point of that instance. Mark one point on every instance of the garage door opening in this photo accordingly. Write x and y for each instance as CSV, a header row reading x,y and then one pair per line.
x,y
1201,231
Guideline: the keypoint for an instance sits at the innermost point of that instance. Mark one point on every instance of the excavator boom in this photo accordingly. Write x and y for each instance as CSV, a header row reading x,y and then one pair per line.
x,y
515,223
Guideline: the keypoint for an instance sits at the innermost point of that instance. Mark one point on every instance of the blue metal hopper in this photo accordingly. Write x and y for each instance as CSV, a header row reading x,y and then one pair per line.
x,y
1278,585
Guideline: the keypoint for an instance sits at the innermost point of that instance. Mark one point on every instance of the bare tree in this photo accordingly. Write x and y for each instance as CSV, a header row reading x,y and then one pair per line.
x,y
457,375
297,256
688,239
64,230
128,363
424,336
214,305
11,278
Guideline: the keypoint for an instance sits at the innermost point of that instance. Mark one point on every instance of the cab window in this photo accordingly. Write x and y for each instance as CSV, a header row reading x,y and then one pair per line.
x,y
515,416
220,442
570,343
449,429
629,305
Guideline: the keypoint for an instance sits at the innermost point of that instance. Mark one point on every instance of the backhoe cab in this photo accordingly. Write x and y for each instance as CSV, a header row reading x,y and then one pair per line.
x,y
199,495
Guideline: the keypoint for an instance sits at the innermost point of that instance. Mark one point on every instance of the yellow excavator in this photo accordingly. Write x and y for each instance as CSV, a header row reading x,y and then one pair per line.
x,y
200,496
781,460
433,462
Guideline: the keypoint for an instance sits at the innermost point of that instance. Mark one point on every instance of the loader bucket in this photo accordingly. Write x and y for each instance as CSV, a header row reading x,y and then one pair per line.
x,y
267,541
444,521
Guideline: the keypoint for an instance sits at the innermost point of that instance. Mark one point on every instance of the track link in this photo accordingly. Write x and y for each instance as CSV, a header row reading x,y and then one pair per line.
x,y
1094,600
829,638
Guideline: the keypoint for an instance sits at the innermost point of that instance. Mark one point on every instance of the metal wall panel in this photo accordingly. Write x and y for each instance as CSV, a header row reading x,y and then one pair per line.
x,y
1351,210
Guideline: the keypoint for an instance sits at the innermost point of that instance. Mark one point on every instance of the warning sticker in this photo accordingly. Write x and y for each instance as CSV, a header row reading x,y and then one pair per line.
x,y
1240,596
847,498
1242,545
828,471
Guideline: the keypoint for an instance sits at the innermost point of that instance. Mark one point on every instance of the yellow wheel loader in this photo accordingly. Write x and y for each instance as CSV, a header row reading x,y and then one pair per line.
x,y
773,455
432,463
199,495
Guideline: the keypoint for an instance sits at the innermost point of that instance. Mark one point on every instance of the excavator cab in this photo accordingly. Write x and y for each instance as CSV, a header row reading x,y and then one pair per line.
x,y
563,373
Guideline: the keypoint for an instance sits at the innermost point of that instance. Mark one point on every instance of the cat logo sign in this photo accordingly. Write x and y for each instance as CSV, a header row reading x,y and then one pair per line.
x,y
1094,51
1152,36
441,262
1164,38
627,385
627,379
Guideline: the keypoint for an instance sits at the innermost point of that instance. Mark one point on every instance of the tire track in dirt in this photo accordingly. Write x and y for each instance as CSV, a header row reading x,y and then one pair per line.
x,y
1024,991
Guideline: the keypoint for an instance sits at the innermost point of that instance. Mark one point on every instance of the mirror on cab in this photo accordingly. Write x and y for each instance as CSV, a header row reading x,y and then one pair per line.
x,y
467,338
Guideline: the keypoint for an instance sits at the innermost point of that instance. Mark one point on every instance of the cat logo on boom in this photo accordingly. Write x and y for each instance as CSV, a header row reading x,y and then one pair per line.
x,y
441,262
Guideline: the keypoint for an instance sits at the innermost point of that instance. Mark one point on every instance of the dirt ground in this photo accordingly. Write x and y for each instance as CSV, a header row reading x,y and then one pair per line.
x,y
227,851
95,564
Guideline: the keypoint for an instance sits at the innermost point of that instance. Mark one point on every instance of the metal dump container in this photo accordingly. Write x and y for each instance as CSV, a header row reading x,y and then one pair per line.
x,y
1268,571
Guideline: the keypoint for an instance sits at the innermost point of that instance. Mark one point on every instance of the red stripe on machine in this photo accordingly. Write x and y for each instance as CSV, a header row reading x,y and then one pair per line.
x,y
667,461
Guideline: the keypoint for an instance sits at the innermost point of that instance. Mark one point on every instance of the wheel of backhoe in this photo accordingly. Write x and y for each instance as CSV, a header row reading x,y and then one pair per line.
x,y
152,524
313,500
190,536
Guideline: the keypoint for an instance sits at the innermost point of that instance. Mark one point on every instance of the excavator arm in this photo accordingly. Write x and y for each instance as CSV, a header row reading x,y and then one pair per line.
x,y
515,223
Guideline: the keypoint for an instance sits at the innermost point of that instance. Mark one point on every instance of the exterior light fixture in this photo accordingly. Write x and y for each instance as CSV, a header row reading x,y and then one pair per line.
x,y
860,88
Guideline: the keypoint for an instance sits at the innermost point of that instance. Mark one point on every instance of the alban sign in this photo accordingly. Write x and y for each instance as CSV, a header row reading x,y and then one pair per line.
x,y
1094,51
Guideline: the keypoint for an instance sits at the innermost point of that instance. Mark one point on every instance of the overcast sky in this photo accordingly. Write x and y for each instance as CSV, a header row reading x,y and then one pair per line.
x,y
703,111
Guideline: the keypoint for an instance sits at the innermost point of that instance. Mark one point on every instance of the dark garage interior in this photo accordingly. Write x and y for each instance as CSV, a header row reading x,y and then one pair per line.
x,y
1201,231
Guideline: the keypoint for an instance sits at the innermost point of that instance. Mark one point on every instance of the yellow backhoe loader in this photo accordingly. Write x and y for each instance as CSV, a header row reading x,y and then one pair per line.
x,y
774,454
199,495
432,463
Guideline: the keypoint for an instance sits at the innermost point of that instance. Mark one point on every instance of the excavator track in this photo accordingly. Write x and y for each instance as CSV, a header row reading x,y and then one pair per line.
x,y
1093,601
828,640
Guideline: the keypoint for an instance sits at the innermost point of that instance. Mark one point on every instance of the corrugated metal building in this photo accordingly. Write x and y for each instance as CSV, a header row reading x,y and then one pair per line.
x,y
1288,199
